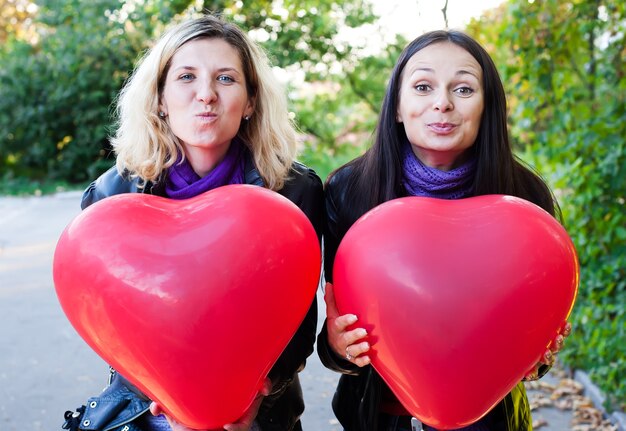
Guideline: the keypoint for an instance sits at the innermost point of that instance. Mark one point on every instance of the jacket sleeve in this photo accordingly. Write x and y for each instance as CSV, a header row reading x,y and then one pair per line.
x,y
308,194
333,233
108,184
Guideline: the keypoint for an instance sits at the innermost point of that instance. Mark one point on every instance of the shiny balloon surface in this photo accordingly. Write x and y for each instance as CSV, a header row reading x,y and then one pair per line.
x,y
192,300
460,298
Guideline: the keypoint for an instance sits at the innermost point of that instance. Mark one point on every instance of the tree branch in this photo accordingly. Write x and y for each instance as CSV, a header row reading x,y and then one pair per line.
x,y
444,11
361,94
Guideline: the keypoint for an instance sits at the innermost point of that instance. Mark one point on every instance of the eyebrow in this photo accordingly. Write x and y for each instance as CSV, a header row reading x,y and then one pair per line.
x,y
458,73
220,70
229,69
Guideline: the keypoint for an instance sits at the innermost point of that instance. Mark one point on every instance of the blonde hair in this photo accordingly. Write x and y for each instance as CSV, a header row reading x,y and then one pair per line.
x,y
144,143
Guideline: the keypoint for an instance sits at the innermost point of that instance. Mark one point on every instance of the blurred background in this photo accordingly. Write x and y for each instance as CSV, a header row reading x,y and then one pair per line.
x,y
563,63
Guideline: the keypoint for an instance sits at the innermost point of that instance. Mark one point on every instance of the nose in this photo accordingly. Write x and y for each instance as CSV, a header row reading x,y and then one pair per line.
x,y
443,102
206,93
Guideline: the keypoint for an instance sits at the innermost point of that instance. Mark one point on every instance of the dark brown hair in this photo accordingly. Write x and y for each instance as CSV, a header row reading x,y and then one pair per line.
x,y
376,176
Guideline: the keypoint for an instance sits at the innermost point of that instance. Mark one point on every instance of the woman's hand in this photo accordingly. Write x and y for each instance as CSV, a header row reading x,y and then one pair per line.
x,y
345,343
550,354
243,424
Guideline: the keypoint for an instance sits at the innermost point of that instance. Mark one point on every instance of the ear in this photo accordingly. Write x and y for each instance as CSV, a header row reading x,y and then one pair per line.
x,y
162,108
398,117
250,105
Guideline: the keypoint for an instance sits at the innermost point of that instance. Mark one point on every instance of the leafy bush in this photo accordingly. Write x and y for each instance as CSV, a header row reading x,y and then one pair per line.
x,y
56,93
563,66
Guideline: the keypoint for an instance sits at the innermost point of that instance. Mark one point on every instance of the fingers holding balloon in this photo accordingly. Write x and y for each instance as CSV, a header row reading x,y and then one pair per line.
x,y
567,329
245,422
340,329
548,358
155,409
338,334
356,353
329,299
532,374
557,345
341,336
541,368
559,340
345,342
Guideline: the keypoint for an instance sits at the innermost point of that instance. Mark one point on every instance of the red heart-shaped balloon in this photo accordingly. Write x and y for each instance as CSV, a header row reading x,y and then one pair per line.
x,y
460,298
193,301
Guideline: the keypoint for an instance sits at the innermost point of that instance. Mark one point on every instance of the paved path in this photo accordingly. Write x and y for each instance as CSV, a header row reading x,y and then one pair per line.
x,y
45,367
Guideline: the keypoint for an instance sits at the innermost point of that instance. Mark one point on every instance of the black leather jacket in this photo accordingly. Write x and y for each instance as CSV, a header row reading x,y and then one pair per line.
x,y
357,397
120,406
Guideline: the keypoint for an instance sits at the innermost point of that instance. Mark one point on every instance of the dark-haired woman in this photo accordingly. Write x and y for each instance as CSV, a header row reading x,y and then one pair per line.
x,y
442,133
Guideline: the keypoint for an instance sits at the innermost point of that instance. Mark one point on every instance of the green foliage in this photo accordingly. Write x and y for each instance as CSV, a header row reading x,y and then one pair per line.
x,y
564,67
336,105
57,91
15,17
56,94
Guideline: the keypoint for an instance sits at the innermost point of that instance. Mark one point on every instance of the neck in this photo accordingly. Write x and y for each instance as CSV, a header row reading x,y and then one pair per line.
x,y
204,160
441,160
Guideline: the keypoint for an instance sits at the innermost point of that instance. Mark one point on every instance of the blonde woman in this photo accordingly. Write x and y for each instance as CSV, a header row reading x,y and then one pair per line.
x,y
201,110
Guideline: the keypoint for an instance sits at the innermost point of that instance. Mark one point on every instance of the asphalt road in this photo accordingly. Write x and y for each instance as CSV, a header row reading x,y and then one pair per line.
x,y
46,368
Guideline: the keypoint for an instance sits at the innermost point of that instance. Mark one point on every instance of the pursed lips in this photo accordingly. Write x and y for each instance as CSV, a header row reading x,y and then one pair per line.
x,y
442,128
206,116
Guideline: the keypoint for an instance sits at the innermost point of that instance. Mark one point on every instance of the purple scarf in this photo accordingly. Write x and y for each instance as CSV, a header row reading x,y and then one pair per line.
x,y
182,181
421,180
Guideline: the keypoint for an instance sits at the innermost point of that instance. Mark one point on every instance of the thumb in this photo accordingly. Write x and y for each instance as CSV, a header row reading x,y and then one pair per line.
x,y
331,305
267,387
155,409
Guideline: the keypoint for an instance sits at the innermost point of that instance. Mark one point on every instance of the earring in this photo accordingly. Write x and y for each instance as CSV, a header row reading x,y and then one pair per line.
x,y
247,117
161,114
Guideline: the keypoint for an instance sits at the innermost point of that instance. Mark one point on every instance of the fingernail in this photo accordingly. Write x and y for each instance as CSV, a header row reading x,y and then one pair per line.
x,y
567,330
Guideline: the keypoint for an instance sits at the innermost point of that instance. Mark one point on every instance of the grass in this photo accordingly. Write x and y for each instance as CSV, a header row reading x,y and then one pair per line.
x,y
17,186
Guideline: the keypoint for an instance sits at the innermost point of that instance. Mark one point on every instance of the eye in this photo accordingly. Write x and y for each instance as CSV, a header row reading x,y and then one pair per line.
x,y
225,79
422,88
464,91
186,77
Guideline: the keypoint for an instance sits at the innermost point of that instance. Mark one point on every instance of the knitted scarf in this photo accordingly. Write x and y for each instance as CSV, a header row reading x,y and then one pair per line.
x,y
182,181
421,180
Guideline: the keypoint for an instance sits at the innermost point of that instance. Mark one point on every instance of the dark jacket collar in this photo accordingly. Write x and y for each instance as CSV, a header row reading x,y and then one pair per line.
x,y
251,173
